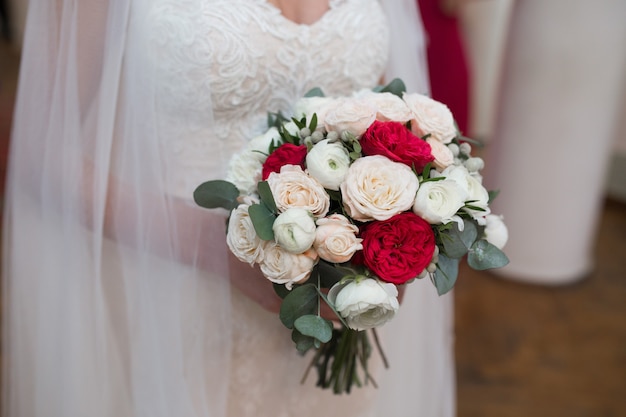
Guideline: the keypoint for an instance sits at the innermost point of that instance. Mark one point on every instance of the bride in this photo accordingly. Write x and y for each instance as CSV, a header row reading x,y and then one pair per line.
x,y
118,296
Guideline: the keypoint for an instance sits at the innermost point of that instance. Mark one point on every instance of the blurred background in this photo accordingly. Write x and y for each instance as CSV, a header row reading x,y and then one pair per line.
x,y
543,84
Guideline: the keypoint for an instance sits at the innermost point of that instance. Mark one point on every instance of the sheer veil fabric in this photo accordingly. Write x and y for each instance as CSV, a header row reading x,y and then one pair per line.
x,y
146,332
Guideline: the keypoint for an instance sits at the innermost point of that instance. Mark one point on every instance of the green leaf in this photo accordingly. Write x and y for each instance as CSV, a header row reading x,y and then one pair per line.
x,y
483,255
281,290
492,195
313,124
456,243
262,220
265,192
314,92
314,326
216,193
301,301
445,274
303,342
298,123
329,274
396,87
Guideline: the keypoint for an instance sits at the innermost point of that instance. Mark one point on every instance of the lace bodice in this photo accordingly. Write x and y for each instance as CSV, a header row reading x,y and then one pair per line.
x,y
223,64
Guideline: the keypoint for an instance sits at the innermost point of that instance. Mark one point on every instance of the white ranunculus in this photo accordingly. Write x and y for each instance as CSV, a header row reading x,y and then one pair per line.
x,y
443,155
437,202
260,145
241,239
496,231
335,239
292,187
365,303
476,193
294,230
245,171
431,117
282,267
328,163
377,188
350,114
306,106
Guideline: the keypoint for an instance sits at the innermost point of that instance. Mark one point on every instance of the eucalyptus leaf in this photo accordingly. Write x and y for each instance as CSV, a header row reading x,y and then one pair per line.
x,y
300,301
314,326
492,195
483,255
314,92
456,243
446,273
265,192
395,87
216,193
329,274
262,220
303,342
281,290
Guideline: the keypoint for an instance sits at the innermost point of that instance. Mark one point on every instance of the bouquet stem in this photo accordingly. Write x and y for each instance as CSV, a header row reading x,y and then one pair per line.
x,y
343,361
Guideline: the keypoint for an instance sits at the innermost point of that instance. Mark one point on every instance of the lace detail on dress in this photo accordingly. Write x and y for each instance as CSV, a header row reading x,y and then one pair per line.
x,y
243,58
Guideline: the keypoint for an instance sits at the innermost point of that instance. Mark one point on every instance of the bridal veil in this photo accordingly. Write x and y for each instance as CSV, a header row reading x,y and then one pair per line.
x,y
115,301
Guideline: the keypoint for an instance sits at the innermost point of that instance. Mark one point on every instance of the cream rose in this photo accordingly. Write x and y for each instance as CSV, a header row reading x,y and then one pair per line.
x,y
443,155
389,107
365,303
245,171
476,193
437,202
292,187
241,239
282,267
328,163
496,231
294,230
350,114
430,116
377,188
335,239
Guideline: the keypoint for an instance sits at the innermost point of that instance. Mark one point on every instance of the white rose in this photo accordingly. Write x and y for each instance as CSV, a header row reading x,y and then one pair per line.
x,y
377,188
260,145
430,116
245,171
389,107
241,239
282,267
496,231
366,303
443,155
306,106
292,187
335,239
476,193
437,202
294,230
328,163
350,114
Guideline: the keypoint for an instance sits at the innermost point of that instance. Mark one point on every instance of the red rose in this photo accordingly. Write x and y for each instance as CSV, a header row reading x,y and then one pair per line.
x,y
287,154
398,249
396,142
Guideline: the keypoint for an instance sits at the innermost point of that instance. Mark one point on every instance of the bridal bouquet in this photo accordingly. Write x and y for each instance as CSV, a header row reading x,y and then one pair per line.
x,y
346,202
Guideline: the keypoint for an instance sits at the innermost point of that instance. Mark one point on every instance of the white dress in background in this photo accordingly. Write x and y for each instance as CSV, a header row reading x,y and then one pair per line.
x,y
143,340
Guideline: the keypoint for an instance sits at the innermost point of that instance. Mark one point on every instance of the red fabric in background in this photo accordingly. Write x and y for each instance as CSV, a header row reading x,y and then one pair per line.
x,y
447,64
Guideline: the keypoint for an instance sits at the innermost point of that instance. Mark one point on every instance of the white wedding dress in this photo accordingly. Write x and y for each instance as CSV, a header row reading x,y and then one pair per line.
x,y
157,335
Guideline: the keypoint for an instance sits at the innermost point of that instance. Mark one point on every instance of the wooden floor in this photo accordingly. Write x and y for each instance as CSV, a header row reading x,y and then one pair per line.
x,y
521,350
